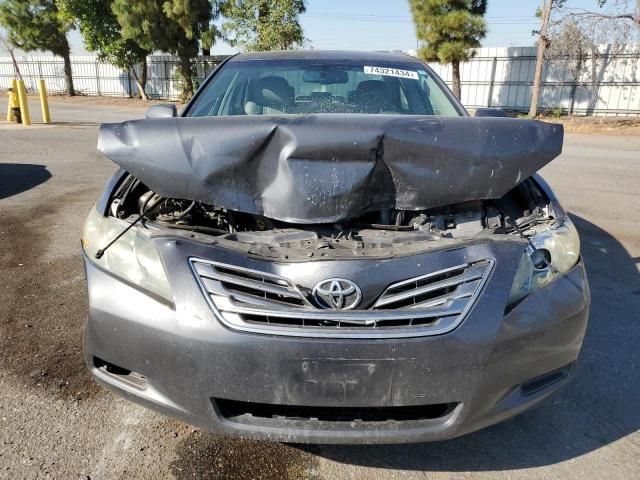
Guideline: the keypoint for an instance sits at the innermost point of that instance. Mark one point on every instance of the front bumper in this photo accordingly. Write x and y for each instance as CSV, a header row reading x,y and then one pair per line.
x,y
187,364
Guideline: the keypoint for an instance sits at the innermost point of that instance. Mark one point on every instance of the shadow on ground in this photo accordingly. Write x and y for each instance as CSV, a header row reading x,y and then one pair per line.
x,y
43,300
16,178
596,409
202,455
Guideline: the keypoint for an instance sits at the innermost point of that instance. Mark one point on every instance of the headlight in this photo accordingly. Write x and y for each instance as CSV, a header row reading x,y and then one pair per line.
x,y
559,245
133,257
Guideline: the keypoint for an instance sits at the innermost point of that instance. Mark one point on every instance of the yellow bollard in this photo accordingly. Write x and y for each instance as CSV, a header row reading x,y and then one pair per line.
x,y
44,104
24,106
13,100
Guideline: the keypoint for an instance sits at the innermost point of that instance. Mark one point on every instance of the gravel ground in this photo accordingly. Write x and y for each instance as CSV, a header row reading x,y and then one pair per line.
x,y
55,423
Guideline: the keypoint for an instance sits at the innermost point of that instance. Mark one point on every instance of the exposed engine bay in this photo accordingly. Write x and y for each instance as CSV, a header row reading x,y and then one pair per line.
x,y
382,233
362,169
370,185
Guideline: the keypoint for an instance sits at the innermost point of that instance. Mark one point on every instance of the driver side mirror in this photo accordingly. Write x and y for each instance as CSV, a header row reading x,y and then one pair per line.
x,y
490,112
164,110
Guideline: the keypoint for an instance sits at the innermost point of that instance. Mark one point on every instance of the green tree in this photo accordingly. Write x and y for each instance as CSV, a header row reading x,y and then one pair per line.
x,y
449,31
258,25
102,34
209,38
212,33
173,26
39,25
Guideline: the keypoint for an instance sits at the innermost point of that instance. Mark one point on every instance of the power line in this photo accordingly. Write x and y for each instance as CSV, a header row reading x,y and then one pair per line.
x,y
406,22
364,15
406,19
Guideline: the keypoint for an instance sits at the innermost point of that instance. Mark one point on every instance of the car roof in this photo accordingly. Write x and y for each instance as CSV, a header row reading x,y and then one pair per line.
x,y
348,55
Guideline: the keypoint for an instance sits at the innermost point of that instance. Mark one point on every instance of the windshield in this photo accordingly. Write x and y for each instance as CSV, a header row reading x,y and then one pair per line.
x,y
314,86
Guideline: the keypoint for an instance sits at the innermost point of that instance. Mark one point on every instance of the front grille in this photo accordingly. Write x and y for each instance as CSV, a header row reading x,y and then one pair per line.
x,y
245,412
248,287
255,301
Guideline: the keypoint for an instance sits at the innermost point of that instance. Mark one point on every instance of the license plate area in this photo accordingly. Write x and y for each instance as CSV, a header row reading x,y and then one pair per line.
x,y
340,382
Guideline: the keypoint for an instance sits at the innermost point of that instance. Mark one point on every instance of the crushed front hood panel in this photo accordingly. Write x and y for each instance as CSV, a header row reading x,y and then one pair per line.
x,y
327,168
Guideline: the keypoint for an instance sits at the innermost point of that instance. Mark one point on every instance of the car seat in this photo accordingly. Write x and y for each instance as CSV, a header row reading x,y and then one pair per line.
x,y
269,95
372,96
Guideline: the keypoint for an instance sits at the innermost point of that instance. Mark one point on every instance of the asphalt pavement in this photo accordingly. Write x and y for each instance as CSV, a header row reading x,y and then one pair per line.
x,y
56,423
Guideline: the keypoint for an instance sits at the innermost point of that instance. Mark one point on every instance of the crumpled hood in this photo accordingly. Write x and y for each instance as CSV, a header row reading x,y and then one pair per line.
x,y
330,167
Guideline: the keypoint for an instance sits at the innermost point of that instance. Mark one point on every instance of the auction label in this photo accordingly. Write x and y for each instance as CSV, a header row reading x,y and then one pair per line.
x,y
391,72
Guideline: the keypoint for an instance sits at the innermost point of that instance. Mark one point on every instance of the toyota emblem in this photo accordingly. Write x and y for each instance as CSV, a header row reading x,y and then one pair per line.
x,y
337,293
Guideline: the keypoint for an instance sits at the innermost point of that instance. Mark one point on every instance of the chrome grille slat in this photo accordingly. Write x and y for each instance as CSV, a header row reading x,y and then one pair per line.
x,y
261,302
241,303
256,284
209,269
429,275
471,273
353,316
464,290
255,300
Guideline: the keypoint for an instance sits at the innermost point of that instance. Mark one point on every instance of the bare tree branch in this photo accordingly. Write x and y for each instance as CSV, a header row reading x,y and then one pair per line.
x,y
619,10
9,48
622,16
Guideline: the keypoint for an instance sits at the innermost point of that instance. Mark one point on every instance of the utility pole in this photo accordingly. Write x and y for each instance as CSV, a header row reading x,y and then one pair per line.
x,y
545,10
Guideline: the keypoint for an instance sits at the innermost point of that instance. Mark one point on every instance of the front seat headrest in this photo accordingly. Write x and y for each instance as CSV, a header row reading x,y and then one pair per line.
x,y
274,92
371,86
372,95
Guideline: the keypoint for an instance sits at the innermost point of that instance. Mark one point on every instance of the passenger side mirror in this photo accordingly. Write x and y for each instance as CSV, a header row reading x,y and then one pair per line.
x,y
490,112
164,110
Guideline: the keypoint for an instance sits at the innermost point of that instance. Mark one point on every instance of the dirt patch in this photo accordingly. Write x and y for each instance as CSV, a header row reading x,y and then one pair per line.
x,y
205,456
598,125
44,305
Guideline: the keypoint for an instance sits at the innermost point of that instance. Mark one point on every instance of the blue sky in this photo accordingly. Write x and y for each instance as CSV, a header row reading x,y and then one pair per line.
x,y
387,25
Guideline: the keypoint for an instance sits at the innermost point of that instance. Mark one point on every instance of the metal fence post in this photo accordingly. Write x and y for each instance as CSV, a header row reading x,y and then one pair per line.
x,y
39,70
494,63
129,82
98,78
167,81
29,79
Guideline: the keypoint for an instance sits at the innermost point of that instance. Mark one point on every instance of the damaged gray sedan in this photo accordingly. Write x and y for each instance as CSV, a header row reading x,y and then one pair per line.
x,y
324,247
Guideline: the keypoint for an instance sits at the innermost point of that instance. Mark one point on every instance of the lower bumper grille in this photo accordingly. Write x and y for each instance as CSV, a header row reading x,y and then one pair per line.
x,y
244,411
255,301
